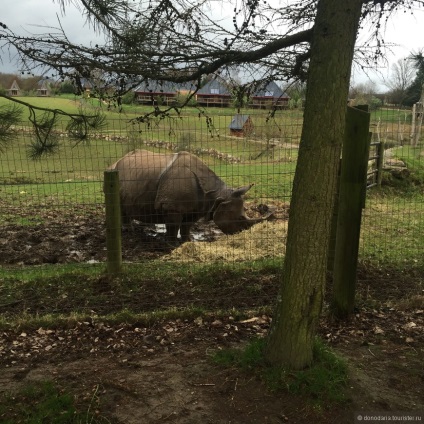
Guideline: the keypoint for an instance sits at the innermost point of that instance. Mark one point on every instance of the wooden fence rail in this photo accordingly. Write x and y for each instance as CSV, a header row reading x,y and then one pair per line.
x,y
375,165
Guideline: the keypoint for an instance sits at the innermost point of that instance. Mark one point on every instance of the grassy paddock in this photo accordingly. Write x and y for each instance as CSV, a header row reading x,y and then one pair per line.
x,y
393,223
205,124
393,219
74,175
393,230
391,125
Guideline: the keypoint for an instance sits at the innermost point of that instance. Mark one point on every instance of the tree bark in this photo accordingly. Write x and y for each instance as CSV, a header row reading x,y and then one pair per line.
x,y
299,304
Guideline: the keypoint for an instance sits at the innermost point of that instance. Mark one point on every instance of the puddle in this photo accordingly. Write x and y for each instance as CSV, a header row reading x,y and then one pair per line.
x,y
199,232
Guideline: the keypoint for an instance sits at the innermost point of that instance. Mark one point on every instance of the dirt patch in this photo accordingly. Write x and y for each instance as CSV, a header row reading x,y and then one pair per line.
x,y
163,373
78,235
133,373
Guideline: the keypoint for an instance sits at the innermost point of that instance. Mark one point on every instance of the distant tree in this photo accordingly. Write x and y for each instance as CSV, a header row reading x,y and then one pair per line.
x,y
401,78
6,80
29,84
297,92
128,98
374,103
66,87
416,90
362,90
364,94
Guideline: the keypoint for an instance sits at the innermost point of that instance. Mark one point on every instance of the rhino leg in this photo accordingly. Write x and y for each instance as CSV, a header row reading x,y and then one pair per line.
x,y
173,224
172,232
185,231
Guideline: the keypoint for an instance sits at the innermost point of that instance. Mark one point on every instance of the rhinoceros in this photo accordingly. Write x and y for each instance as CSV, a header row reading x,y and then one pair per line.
x,y
177,190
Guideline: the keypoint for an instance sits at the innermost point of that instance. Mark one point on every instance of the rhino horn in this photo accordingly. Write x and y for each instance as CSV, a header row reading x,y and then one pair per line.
x,y
240,224
252,221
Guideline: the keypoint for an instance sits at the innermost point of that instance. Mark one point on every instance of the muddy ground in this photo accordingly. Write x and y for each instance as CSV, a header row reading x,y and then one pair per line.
x,y
162,372
78,234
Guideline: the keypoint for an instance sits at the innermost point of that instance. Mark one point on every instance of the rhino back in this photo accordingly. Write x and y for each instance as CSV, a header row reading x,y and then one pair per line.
x,y
139,174
153,185
188,186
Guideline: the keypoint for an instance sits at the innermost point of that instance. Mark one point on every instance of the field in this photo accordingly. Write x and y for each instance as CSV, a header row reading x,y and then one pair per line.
x,y
144,347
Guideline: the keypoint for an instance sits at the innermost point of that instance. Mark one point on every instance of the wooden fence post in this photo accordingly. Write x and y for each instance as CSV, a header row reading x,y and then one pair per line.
x,y
418,119
353,176
380,163
333,230
113,222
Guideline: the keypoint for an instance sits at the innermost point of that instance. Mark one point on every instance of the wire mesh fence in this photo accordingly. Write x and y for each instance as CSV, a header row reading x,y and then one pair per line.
x,y
52,209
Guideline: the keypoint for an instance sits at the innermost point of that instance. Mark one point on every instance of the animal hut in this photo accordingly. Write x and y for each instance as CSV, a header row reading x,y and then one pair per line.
x,y
14,90
241,125
43,89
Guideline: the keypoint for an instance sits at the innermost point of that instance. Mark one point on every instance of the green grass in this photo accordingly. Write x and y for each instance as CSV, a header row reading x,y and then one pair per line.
x,y
391,115
323,382
56,294
414,160
211,123
75,175
84,162
44,402
391,125
393,230
393,224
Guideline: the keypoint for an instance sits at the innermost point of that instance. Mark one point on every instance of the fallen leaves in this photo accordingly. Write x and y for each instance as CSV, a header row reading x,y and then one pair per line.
x,y
97,337
372,326
367,327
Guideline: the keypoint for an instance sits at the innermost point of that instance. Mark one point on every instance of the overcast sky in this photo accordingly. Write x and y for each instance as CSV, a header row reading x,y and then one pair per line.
x,y
404,30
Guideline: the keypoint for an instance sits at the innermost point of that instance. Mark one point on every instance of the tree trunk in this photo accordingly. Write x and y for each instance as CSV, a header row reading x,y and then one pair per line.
x,y
290,341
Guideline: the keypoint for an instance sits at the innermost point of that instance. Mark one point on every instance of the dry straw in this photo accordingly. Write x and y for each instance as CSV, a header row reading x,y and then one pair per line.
x,y
264,240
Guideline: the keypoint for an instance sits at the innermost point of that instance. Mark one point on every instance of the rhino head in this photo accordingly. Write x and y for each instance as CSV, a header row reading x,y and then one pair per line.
x,y
228,212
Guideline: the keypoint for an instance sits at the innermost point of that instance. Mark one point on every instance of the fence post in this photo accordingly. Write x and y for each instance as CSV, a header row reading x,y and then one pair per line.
x,y
333,230
113,222
351,201
418,119
380,162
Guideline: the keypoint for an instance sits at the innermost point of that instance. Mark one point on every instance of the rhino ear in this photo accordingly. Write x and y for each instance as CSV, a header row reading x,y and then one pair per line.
x,y
209,183
238,192
214,207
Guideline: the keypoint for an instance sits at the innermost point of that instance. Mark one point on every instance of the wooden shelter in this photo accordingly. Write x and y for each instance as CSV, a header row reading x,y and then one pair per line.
x,y
214,93
14,90
156,93
269,96
43,89
241,125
